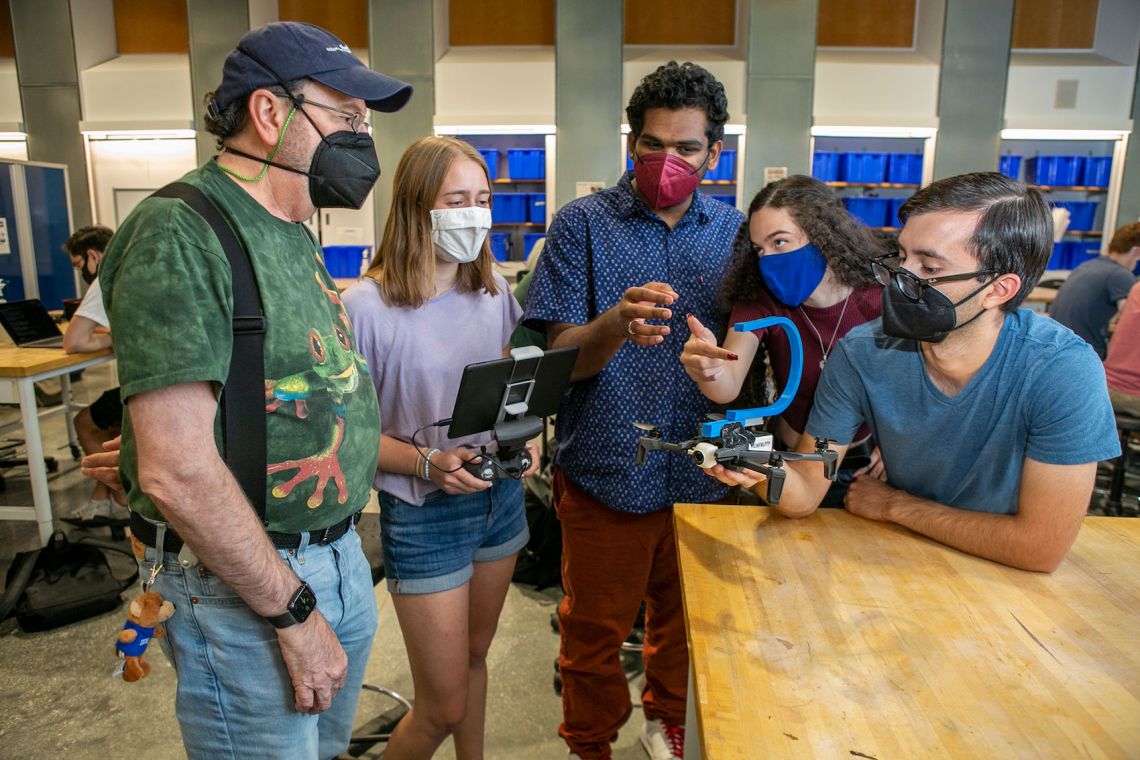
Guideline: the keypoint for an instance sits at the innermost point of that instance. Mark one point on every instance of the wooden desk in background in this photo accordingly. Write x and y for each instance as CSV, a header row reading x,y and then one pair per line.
x,y
25,367
1042,295
837,637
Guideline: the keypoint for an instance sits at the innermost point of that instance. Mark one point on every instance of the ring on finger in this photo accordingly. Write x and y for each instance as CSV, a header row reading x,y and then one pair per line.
x,y
629,327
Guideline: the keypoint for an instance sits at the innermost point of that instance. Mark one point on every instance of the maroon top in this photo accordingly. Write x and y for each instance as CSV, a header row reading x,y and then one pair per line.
x,y
863,305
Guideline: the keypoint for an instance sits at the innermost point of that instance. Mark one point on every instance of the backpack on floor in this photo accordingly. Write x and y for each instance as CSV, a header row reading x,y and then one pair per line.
x,y
64,582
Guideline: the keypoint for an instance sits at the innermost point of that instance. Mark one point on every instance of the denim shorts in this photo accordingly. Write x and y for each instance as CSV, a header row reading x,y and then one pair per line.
x,y
432,547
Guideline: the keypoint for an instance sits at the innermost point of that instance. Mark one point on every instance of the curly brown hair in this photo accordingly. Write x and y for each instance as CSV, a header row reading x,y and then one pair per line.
x,y
845,243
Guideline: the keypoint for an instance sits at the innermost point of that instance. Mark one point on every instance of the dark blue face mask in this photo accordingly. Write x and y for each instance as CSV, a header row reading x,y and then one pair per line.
x,y
794,275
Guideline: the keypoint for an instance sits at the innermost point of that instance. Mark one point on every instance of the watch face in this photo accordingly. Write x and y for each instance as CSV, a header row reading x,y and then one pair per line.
x,y
303,603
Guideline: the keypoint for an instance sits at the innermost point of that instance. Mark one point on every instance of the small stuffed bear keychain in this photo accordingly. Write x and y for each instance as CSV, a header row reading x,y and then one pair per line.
x,y
144,622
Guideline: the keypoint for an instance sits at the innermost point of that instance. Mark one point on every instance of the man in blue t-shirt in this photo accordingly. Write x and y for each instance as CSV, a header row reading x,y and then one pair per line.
x,y
1095,292
991,419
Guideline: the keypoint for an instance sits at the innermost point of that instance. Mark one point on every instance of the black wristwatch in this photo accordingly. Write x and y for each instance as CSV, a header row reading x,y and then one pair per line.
x,y
302,604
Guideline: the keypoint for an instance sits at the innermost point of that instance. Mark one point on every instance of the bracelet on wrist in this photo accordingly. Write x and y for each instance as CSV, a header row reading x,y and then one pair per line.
x,y
426,474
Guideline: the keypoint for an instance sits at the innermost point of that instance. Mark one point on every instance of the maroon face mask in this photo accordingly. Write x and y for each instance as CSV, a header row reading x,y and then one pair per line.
x,y
664,179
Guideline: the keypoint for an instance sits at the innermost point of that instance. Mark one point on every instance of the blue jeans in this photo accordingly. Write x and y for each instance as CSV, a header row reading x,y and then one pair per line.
x,y
432,547
235,698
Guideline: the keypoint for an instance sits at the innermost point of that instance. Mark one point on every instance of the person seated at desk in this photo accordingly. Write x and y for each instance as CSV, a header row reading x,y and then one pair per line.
x,y
1122,365
89,331
1093,294
990,419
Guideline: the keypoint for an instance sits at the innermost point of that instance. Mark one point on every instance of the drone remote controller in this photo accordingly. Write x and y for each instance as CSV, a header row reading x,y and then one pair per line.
x,y
507,464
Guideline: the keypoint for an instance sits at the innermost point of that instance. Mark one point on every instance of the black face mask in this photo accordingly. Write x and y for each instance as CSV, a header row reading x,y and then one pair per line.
x,y
85,272
930,319
342,172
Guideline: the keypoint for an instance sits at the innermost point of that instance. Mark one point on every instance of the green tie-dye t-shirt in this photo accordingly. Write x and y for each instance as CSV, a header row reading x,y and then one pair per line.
x,y
166,282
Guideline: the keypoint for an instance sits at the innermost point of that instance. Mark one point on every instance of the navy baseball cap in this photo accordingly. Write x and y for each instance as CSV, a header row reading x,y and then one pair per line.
x,y
293,50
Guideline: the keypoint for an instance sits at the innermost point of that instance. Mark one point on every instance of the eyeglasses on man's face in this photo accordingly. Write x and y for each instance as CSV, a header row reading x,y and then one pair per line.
x,y
910,284
355,120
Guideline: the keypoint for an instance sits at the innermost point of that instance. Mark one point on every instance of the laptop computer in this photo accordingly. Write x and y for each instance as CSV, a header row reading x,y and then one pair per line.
x,y
29,324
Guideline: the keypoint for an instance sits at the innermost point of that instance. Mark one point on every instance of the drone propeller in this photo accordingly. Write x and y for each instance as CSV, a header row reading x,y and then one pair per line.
x,y
648,427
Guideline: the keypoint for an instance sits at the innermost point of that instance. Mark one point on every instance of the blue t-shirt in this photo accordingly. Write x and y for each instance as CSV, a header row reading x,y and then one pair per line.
x,y
1041,394
614,234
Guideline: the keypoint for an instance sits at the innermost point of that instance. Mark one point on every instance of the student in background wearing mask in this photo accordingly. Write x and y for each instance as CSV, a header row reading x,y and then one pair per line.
x,y
430,304
802,256
620,271
88,331
274,616
991,419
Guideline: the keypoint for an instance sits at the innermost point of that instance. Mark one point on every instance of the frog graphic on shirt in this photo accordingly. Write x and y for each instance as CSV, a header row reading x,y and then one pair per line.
x,y
336,372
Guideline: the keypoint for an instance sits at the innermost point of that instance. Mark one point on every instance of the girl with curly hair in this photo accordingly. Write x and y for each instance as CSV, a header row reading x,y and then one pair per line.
x,y
802,256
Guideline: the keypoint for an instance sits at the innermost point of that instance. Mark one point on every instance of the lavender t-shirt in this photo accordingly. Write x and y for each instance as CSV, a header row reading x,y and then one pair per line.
x,y
416,358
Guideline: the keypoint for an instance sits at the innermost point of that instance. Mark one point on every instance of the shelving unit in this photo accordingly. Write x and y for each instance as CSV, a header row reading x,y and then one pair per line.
x,y
1095,160
873,169
520,211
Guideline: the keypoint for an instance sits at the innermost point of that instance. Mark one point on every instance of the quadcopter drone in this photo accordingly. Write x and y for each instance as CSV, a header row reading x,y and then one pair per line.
x,y
735,440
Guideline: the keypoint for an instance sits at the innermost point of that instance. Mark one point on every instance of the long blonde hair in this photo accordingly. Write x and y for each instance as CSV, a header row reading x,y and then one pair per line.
x,y
404,265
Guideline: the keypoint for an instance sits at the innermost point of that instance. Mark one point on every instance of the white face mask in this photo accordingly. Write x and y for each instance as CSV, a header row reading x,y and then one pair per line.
x,y
458,233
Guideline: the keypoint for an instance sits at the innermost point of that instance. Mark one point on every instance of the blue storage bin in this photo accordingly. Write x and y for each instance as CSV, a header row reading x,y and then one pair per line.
x,y
527,163
346,260
729,199
1082,214
725,167
863,167
905,168
1010,166
536,208
1054,171
500,245
825,166
1081,251
491,156
629,163
1060,257
871,211
529,239
1097,169
509,207
893,206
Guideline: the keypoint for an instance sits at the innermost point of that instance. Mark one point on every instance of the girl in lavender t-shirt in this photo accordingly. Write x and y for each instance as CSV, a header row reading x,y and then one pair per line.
x,y
429,305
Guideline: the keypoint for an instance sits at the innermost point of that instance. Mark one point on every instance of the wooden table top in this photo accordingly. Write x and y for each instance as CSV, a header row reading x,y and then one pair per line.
x,y
837,637
1042,295
24,362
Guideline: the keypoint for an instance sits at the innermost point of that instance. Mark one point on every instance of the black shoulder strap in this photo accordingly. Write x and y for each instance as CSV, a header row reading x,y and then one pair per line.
x,y
243,398
591,296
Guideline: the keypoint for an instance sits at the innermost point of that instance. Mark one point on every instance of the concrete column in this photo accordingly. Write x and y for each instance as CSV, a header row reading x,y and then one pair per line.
x,y
588,107
971,97
401,44
49,93
781,81
1129,209
215,26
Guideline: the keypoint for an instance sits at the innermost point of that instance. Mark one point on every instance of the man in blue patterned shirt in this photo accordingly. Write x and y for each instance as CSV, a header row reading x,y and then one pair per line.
x,y
620,271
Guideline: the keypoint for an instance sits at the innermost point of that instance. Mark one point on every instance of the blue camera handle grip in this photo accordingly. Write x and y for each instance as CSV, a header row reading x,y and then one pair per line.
x,y
751,416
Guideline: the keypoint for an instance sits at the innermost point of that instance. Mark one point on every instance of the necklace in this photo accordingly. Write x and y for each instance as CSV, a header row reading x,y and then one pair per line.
x,y
834,335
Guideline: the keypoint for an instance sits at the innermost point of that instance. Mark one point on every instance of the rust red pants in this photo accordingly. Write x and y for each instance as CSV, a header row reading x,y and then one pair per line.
x,y
611,561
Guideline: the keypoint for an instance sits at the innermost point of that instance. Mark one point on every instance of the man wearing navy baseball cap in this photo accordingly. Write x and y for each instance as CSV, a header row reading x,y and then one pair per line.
x,y
274,603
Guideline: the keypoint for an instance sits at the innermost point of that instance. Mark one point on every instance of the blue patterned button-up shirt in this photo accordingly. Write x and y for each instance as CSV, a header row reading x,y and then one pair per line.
x,y
627,245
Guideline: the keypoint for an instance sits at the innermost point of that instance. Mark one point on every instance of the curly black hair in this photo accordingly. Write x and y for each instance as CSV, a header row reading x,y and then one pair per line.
x,y
676,86
226,122
845,243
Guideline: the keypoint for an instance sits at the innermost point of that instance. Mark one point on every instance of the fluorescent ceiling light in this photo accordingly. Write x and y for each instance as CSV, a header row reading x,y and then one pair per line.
x,y
13,136
1063,134
139,134
495,129
857,131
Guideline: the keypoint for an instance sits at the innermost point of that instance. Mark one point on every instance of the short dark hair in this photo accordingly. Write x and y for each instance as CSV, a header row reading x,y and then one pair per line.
x,y
96,236
676,86
1125,239
1014,234
847,245
226,122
